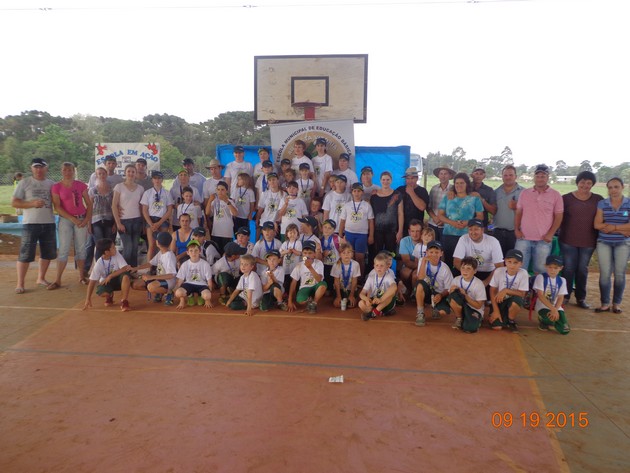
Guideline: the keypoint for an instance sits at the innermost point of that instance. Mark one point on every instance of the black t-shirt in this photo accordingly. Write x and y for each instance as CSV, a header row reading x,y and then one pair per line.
x,y
386,211
409,208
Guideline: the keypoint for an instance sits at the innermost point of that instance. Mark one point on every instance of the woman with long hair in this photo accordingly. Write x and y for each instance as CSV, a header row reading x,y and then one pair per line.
x,y
128,214
387,205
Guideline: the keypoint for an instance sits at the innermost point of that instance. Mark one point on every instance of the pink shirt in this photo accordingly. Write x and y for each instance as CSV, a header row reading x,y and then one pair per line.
x,y
538,211
71,198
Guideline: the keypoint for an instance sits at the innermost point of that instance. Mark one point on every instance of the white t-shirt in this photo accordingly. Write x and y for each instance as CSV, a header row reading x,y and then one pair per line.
x,y
304,275
166,264
556,287
243,198
209,253
233,169
176,197
195,212
262,247
322,165
278,273
30,188
210,187
222,223
357,216
270,202
328,244
295,163
225,266
442,281
350,175
199,273
104,268
157,202
196,181
129,200
296,209
419,251
474,288
367,191
487,252
334,203
305,187
376,286
251,282
342,271
501,280
290,260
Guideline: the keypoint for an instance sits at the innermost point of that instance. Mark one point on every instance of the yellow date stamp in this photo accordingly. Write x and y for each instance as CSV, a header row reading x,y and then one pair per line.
x,y
550,420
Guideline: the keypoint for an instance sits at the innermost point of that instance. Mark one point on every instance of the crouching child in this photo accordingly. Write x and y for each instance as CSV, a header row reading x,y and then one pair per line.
x,y
508,287
310,274
248,292
551,289
467,297
434,280
378,296
110,274
164,279
194,279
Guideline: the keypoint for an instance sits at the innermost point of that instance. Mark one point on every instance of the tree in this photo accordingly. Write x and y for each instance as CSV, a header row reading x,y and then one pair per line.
x,y
585,166
506,154
236,128
561,168
122,131
458,158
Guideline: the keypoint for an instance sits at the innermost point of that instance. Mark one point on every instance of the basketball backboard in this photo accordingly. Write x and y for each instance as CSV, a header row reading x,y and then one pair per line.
x,y
335,85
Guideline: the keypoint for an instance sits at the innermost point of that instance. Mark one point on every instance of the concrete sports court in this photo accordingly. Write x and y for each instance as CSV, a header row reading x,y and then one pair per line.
x,y
161,390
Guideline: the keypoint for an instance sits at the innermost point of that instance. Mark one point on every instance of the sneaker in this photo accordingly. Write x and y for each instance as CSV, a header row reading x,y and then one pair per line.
x,y
283,306
435,314
566,329
311,307
191,301
376,313
168,300
512,326
158,298
109,300
200,300
543,327
223,299
389,313
365,316
420,322
457,324
124,305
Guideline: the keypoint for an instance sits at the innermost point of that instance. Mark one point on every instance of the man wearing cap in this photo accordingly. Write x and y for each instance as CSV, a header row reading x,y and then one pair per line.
x,y
210,184
507,195
538,215
484,248
239,165
415,198
484,192
436,195
344,170
142,178
369,188
33,195
110,165
323,166
196,179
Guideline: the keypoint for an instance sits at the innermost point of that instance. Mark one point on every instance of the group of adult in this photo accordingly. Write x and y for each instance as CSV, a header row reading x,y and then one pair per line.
x,y
525,219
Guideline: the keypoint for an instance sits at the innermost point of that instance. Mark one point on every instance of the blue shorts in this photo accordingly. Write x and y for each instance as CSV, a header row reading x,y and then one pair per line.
x,y
43,233
358,241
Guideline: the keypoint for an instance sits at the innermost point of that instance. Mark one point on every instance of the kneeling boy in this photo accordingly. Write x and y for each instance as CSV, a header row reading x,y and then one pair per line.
x,y
508,287
434,280
111,272
467,297
551,289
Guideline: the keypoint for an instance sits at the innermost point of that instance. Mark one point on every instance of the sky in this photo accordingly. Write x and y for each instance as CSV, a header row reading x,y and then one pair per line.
x,y
548,78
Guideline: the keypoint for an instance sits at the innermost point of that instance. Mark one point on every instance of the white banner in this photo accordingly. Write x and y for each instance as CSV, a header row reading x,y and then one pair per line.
x,y
339,135
128,153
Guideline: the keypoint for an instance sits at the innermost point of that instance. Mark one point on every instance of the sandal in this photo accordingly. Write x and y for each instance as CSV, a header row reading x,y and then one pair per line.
x,y
85,281
602,309
617,310
19,290
52,286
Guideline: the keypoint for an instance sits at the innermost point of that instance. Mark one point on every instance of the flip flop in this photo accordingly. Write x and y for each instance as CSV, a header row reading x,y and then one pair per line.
x,y
19,290
602,309
617,310
52,286
43,284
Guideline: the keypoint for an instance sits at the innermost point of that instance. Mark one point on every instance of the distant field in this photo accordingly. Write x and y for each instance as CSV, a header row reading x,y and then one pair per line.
x,y
7,191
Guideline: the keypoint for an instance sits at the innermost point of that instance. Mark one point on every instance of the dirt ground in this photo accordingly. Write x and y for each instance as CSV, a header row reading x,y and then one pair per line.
x,y
9,244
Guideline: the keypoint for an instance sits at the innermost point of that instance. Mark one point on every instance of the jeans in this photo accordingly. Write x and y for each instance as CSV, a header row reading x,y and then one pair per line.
x,y
68,232
613,257
535,251
575,269
129,239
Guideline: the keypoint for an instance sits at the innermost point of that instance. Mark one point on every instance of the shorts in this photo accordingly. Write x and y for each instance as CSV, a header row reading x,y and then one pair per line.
x,y
471,318
43,233
504,306
163,227
226,279
389,307
561,325
114,285
163,284
304,293
442,305
359,241
192,289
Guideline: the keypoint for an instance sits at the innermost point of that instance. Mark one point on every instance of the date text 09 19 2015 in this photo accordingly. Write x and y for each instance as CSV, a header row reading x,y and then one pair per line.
x,y
551,420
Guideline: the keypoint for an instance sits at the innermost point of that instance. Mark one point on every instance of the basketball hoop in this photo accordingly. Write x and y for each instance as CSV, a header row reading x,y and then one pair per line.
x,y
308,107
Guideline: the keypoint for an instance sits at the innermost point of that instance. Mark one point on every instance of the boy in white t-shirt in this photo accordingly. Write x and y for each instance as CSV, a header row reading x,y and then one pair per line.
x,y
267,243
323,167
299,147
336,199
248,292
290,251
508,287
434,280
345,273
310,274
551,289
357,224
242,240
378,296
194,278
245,201
261,182
109,274
292,208
269,203
344,169
306,186
157,207
163,281
220,210
272,280
467,297
226,270
239,165
308,224
263,156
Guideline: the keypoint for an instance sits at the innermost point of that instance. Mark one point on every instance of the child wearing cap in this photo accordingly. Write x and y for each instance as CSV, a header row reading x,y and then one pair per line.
x,y
210,185
310,273
336,199
209,250
345,273
369,188
551,289
270,202
245,201
177,190
378,296
322,166
292,208
330,250
157,208
220,211
467,296
109,274
306,186
267,243
194,278
290,251
357,224
299,147
226,270
508,287
434,281
306,234
263,156
163,281
239,165
248,292
190,207
272,280
344,169
242,240
288,175
261,182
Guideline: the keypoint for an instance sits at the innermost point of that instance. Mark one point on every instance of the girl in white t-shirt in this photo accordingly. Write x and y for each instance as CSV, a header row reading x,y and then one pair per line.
x,y
221,209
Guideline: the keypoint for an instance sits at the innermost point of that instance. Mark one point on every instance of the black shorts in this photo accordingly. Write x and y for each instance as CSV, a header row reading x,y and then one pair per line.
x,y
43,233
